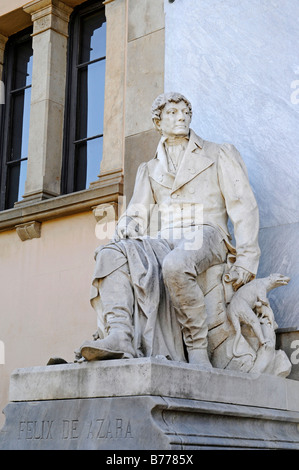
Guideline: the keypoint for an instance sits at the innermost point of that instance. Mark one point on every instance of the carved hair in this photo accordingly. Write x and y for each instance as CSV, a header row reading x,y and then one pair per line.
x,y
160,102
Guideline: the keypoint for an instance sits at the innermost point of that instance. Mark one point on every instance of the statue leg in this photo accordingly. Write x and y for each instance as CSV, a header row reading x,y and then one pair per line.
x,y
180,270
118,302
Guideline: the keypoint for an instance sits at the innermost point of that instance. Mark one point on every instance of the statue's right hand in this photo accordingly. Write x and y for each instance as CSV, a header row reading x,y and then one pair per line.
x,y
128,232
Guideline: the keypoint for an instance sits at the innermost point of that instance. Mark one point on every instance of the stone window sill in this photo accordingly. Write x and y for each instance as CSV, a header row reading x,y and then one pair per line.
x,y
27,218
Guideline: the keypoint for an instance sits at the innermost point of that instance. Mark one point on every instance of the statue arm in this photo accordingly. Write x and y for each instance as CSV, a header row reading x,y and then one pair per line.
x,y
135,220
242,209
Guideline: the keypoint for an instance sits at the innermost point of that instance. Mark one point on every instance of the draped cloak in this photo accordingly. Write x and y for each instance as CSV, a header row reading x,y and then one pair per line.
x,y
156,329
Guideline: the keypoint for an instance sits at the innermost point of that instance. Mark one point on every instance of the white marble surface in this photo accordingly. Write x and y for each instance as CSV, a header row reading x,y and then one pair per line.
x,y
236,62
280,248
155,377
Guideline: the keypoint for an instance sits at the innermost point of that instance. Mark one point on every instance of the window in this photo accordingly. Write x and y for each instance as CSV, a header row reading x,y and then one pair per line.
x,y
15,118
83,135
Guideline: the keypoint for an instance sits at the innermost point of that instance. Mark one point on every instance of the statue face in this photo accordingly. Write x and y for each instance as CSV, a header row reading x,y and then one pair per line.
x,y
175,120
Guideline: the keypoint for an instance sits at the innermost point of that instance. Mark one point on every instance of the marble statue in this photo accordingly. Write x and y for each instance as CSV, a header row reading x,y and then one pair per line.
x,y
171,281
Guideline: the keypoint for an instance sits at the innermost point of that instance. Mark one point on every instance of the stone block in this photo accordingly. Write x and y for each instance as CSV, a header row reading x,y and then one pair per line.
x,y
29,230
138,149
145,80
148,403
152,14
114,86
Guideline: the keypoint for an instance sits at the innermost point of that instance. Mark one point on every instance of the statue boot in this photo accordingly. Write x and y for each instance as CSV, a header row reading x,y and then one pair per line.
x,y
193,321
116,345
199,356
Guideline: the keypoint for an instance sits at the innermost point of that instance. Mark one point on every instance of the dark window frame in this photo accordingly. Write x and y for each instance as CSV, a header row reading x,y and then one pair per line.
x,y
71,112
6,111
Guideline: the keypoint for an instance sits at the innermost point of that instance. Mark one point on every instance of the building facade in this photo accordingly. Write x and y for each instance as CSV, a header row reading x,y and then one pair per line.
x,y
69,70
77,82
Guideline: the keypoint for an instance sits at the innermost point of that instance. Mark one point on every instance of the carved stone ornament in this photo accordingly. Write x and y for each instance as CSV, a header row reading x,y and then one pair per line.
x,y
29,230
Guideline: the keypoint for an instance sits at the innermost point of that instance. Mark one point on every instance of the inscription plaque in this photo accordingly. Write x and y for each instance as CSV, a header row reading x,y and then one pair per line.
x,y
100,428
92,423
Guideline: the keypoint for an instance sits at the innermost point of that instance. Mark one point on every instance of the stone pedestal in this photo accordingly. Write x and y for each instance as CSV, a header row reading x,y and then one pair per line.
x,y
149,404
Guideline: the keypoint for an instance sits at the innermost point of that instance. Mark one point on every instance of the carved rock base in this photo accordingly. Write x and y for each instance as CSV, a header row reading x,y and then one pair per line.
x,y
149,404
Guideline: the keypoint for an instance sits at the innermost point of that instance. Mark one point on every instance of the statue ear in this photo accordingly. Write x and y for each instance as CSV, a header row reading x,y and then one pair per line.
x,y
157,124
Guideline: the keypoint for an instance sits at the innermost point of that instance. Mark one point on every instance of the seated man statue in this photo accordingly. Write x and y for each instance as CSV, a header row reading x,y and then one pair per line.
x,y
196,186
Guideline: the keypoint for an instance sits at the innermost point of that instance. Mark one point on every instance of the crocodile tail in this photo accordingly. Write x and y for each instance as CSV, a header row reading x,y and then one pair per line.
x,y
237,338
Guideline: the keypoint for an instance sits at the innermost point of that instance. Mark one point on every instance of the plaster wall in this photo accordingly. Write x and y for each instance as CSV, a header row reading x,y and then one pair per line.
x,y
44,291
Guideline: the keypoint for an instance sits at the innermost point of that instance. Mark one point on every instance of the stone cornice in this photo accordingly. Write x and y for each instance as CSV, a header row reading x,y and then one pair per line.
x,y
14,21
38,6
3,40
49,14
107,190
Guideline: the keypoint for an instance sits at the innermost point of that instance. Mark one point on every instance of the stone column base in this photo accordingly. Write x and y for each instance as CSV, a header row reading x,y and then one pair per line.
x,y
148,404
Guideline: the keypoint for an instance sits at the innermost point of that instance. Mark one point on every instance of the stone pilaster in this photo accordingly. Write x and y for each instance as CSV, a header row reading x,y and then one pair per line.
x,y
50,32
144,82
114,112
3,40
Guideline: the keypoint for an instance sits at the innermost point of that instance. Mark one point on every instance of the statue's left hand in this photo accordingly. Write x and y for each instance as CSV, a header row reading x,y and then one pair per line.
x,y
239,276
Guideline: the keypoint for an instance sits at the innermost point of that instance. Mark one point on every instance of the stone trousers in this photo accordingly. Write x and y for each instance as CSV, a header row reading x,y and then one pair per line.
x,y
187,258
180,269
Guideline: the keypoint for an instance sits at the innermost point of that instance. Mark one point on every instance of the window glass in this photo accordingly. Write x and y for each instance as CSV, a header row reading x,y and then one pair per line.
x,y
87,161
85,106
93,38
17,177
91,82
23,65
15,125
20,125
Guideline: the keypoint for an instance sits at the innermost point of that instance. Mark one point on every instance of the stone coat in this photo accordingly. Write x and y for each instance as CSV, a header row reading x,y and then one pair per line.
x,y
211,178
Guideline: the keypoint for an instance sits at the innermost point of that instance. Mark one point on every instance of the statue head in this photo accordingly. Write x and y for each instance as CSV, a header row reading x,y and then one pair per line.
x,y
172,113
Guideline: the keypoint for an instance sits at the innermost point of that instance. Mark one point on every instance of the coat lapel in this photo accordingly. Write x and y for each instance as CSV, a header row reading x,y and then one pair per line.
x,y
194,162
159,168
